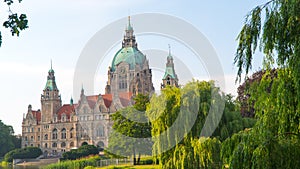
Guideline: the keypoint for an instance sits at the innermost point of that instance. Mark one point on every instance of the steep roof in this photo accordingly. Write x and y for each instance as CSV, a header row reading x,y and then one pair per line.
x,y
36,115
66,109
107,98
125,98
92,100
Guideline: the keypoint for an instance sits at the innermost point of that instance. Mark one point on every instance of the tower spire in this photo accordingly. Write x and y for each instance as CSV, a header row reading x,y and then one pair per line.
x,y
169,56
170,77
129,21
129,38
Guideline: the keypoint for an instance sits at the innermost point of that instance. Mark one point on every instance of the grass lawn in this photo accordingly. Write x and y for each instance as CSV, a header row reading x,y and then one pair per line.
x,y
131,167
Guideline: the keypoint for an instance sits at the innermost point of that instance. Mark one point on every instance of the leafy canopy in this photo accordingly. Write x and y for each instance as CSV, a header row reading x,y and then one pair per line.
x,y
15,22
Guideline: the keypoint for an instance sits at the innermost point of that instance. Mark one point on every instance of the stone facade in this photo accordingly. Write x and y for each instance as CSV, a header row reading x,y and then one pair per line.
x,y
57,128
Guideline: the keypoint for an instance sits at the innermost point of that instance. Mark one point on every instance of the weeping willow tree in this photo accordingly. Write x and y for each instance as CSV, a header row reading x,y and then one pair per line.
x,y
274,142
178,118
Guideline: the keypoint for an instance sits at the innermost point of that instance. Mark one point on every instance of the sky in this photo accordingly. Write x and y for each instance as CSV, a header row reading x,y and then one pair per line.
x,y
60,29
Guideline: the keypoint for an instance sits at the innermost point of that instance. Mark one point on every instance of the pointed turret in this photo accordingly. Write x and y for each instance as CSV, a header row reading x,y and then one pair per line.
x,y
51,84
129,38
71,101
170,77
50,99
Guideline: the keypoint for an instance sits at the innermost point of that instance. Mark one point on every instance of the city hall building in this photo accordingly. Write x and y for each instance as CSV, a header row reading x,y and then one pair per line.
x,y
57,127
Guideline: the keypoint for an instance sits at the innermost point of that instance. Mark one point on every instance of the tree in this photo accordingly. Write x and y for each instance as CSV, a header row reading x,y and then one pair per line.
x,y
244,93
14,22
131,135
7,140
277,35
274,142
176,146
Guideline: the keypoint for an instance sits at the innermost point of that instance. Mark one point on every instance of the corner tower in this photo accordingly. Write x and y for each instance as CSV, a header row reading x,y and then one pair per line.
x,y
170,78
50,99
129,71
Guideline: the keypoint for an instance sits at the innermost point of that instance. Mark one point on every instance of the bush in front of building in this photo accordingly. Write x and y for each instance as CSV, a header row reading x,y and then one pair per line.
x,y
71,164
83,151
23,153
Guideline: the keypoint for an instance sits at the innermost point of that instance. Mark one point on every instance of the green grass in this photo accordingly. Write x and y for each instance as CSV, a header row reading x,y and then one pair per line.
x,y
131,167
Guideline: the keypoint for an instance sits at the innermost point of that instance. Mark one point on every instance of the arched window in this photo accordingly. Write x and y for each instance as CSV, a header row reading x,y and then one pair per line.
x,y
168,81
63,144
54,134
46,137
122,83
71,132
46,145
100,131
71,144
54,145
100,144
63,134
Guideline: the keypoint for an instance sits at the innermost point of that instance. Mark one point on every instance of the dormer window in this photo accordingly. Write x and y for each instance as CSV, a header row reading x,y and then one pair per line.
x,y
63,117
55,119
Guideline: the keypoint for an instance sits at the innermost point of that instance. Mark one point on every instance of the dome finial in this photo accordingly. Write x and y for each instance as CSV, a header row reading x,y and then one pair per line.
x,y
129,27
129,20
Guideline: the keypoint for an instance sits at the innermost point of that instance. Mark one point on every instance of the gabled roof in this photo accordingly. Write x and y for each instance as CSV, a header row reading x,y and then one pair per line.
x,y
36,115
125,98
66,109
107,98
92,100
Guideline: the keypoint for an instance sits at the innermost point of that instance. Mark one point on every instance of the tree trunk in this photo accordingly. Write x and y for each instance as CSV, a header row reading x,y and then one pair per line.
x,y
134,159
139,159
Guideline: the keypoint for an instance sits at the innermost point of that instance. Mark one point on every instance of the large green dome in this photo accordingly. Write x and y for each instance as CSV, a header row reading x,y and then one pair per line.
x,y
130,55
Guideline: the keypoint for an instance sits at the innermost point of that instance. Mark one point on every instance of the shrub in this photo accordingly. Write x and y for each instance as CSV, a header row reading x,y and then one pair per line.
x,y
22,153
81,163
83,151
146,160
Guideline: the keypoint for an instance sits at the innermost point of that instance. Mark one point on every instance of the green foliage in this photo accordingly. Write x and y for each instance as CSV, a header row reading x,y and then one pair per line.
x,y
7,140
129,124
244,92
83,151
90,162
163,111
23,153
141,102
274,141
232,122
16,23
277,34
